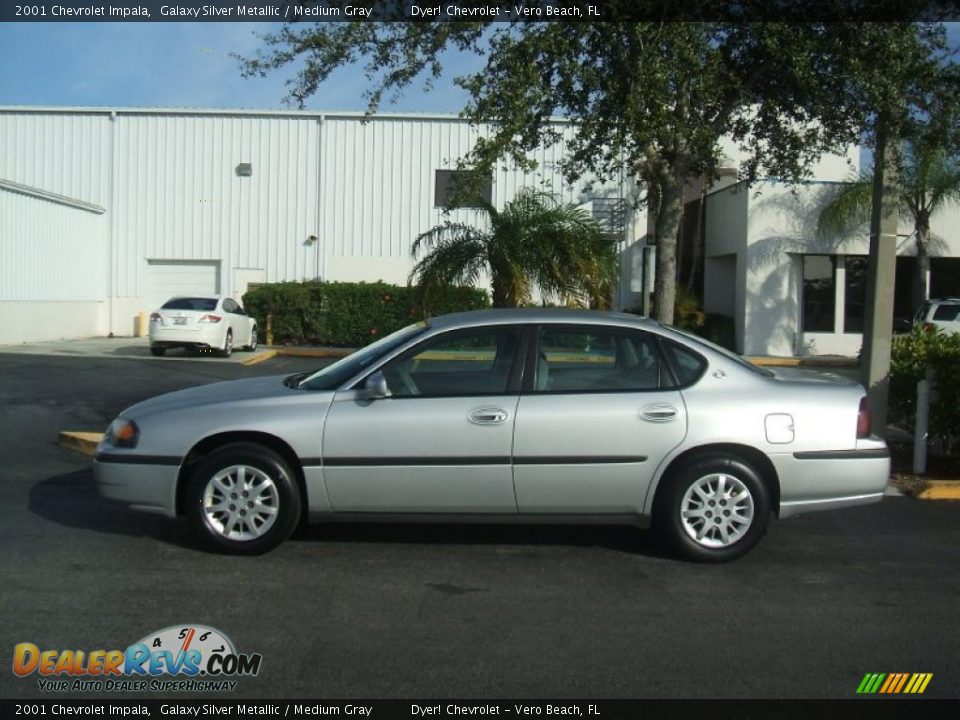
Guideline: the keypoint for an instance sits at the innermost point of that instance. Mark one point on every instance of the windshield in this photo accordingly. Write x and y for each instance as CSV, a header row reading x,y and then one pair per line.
x,y
721,350
335,375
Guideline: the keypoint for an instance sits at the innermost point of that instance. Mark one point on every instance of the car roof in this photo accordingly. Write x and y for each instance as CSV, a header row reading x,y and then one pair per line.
x,y
505,316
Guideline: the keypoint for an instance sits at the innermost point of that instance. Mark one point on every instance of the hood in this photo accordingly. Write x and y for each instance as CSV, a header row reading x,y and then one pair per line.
x,y
214,393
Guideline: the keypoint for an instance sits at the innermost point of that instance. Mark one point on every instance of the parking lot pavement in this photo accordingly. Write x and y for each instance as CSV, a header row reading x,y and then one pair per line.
x,y
125,348
364,611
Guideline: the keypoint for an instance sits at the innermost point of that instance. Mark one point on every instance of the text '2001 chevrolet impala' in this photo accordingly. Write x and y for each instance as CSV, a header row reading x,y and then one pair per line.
x,y
509,415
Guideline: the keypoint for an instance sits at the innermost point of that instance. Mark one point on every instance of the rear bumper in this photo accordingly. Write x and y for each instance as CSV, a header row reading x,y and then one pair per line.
x,y
144,483
812,481
209,336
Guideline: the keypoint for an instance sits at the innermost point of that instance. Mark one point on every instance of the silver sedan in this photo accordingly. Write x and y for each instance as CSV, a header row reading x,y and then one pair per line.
x,y
505,415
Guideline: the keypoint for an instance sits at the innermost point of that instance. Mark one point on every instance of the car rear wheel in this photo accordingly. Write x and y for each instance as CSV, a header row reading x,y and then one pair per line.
x,y
713,509
157,351
227,349
242,499
252,345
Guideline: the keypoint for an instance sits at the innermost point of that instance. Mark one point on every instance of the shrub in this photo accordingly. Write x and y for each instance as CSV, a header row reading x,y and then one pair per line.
x,y
911,353
347,314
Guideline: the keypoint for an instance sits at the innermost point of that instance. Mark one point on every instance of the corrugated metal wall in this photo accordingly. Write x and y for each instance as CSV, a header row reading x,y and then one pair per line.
x,y
179,196
168,181
49,251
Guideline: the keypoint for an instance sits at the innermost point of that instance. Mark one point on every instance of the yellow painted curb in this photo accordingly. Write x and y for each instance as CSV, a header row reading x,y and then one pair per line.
x,y
84,443
297,352
260,357
802,362
940,490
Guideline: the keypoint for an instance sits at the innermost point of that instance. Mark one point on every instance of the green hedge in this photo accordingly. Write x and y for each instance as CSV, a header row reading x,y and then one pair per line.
x,y
347,314
910,355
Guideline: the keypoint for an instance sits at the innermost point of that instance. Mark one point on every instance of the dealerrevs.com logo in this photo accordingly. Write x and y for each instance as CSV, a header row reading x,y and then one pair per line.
x,y
188,658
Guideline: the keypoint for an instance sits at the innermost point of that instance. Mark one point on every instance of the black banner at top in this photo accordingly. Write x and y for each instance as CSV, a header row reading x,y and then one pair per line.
x,y
477,10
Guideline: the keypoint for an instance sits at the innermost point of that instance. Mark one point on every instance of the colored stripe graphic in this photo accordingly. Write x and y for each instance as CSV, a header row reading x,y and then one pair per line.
x,y
894,683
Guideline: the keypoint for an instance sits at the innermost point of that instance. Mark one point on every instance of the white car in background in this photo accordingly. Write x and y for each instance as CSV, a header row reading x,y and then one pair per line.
x,y
208,322
943,314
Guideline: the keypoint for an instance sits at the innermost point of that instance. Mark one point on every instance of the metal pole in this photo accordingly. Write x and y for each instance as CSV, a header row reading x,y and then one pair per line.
x,y
920,428
878,325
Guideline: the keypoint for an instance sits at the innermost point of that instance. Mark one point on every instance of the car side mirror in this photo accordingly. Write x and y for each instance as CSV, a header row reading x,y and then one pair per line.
x,y
375,387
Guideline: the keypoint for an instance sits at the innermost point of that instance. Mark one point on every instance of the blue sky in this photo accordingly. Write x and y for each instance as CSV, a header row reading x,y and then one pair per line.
x,y
180,65
172,65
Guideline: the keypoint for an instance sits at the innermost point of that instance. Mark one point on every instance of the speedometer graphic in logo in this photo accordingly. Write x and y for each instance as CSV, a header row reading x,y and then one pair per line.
x,y
184,648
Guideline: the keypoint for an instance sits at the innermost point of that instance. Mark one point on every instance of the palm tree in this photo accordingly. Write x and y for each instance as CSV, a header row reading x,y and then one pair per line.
x,y
534,242
929,179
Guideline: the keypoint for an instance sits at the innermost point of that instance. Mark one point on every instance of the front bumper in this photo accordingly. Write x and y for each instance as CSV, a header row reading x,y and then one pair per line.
x,y
811,481
143,482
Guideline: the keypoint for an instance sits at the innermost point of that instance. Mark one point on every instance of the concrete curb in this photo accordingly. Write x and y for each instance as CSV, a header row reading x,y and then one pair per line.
x,y
296,352
84,443
939,490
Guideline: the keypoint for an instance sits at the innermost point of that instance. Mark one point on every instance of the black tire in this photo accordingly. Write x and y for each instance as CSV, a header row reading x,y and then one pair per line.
x,y
227,349
231,530
723,538
157,351
253,340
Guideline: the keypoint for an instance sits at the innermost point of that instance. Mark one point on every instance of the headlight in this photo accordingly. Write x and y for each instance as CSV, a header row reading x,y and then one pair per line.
x,y
123,433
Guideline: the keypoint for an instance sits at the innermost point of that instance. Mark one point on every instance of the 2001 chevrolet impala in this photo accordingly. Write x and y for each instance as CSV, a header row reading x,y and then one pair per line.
x,y
512,414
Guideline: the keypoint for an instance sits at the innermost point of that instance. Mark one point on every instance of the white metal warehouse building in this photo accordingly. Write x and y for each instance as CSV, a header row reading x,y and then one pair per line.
x,y
108,212
105,213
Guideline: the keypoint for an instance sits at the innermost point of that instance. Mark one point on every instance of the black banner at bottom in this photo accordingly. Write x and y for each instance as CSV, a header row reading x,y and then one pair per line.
x,y
872,708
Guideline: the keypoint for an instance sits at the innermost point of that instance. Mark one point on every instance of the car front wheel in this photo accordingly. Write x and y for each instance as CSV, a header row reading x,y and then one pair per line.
x,y
713,509
158,350
242,499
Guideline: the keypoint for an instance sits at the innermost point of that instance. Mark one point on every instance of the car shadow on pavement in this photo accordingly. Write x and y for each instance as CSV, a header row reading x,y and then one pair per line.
x,y
623,539
71,499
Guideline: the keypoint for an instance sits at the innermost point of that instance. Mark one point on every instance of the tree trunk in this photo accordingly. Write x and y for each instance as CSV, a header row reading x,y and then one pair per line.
x,y
923,260
668,223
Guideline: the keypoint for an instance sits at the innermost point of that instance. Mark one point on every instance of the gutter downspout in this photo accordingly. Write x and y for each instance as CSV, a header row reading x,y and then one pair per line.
x,y
321,158
111,221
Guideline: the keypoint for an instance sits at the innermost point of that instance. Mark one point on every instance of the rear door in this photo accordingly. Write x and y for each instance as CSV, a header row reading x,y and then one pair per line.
x,y
441,442
600,413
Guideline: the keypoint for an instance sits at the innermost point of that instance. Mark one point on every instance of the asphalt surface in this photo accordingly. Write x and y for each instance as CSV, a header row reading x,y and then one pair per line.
x,y
375,611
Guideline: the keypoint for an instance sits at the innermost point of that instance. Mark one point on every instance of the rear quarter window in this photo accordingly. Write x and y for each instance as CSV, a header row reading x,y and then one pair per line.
x,y
687,365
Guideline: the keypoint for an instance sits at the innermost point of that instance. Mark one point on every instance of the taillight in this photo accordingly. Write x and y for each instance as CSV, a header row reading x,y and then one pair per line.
x,y
210,319
929,327
863,418
155,317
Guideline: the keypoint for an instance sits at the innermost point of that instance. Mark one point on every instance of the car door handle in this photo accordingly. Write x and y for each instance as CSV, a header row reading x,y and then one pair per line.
x,y
659,413
487,416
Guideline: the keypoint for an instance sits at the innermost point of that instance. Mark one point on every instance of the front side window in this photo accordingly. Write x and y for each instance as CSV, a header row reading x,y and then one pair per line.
x,y
332,376
583,359
462,363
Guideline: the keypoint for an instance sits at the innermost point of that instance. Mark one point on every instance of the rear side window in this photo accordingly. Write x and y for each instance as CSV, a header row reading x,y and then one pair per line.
x,y
588,359
687,365
946,313
203,304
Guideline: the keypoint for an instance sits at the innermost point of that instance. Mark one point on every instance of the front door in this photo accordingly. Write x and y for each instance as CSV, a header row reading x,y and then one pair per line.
x,y
441,441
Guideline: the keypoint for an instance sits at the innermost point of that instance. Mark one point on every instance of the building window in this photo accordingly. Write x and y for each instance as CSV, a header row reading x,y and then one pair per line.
x,y
462,188
855,293
819,300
